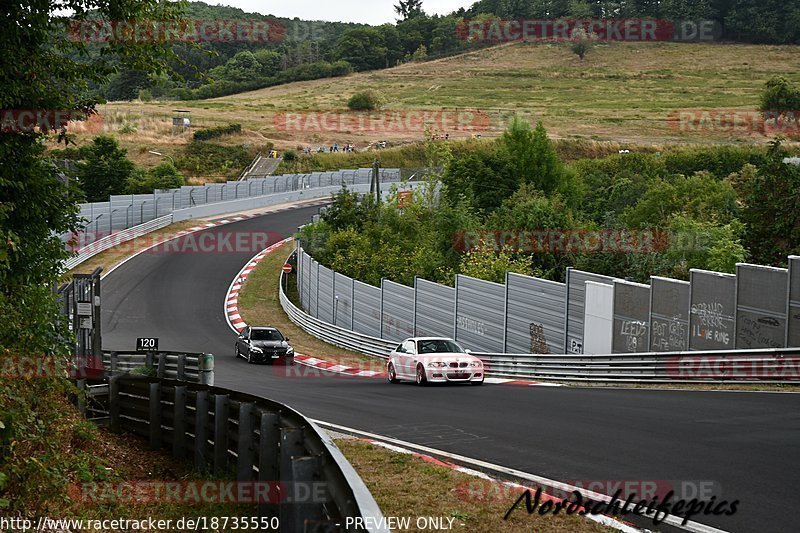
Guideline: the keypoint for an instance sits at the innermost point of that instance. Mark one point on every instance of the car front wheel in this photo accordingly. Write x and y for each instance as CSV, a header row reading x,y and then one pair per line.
x,y
392,374
422,379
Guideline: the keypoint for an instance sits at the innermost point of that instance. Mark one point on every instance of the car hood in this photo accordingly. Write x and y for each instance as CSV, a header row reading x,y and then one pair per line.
x,y
269,344
448,357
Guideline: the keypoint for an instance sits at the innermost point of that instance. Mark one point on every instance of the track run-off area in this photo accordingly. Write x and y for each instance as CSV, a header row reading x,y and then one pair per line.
x,y
744,444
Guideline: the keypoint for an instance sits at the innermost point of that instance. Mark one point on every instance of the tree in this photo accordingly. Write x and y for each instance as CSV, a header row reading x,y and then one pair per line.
x,y
409,9
163,176
770,198
363,48
534,158
270,61
780,97
581,43
243,67
43,68
104,170
364,101
420,54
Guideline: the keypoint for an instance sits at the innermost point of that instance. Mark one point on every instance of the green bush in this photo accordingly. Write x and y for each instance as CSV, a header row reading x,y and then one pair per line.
x,y
208,159
364,101
205,134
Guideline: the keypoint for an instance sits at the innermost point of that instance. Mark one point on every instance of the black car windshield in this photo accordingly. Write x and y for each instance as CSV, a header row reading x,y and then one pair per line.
x,y
266,335
439,346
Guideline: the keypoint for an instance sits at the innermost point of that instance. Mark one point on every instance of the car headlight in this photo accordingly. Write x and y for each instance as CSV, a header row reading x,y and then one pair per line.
x,y
290,351
476,363
437,364
256,349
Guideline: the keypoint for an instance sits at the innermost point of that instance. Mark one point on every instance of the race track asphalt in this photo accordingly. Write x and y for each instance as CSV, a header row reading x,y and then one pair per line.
x,y
746,444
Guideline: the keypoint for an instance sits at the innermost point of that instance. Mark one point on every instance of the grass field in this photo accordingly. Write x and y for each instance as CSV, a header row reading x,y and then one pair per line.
x,y
621,92
407,486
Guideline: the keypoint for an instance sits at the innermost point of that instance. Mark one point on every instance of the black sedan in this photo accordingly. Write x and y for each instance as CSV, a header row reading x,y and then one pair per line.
x,y
264,345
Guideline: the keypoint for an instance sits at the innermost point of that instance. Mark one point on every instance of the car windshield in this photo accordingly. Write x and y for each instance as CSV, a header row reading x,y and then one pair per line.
x,y
439,346
266,335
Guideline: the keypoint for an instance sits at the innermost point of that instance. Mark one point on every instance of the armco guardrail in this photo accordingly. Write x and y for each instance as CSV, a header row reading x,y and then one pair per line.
x,y
115,239
183,366
267,445
750,366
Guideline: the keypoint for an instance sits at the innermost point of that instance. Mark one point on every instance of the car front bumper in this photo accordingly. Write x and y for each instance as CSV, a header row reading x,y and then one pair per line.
x,y
446,375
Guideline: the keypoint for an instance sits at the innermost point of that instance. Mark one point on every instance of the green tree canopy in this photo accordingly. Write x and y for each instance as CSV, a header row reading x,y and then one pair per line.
x,y
105,169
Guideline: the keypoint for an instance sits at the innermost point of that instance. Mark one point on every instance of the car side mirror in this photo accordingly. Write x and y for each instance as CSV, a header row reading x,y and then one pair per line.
x,y
467,352
286,339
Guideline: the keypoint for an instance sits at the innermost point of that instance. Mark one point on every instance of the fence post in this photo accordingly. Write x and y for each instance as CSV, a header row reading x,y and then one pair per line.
x,y
220,432
352,305
455,312
113,402
148,360
179,422
305,475
381,323
155,415
505,316
244,449
200,429
114,362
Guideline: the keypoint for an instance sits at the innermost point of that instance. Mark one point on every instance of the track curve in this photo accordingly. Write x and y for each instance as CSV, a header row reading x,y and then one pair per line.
x,y
746,443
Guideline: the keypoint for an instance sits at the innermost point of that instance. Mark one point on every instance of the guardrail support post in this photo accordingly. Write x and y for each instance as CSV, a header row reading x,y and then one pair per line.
x,y
268,458
291,447
114,362
181,367
303,493
220,432
179,422
244,449
155,415
148,360
200,430
162,365
113,402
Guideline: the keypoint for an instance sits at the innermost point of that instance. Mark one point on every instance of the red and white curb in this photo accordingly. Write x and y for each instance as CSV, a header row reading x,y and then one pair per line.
x,y
329,366
232,297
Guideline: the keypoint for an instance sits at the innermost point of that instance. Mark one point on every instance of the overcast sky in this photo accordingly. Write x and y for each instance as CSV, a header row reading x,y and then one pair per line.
x,y
365,11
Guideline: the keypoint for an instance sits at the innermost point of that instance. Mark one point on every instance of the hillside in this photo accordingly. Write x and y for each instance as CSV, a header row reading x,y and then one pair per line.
x,y
621,92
